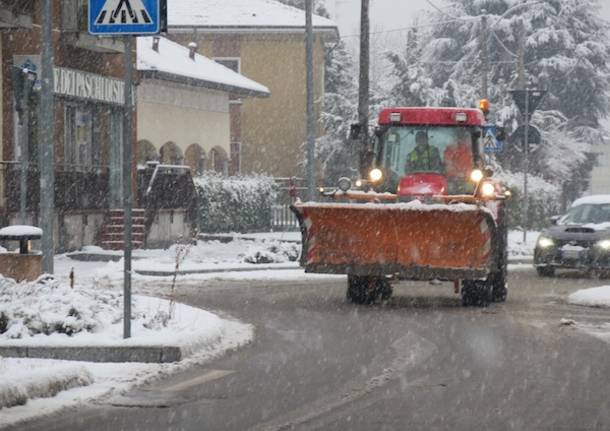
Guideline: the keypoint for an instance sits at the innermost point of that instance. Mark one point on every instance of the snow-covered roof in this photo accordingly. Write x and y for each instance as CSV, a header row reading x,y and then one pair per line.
x,y
172,62
592,200
250,15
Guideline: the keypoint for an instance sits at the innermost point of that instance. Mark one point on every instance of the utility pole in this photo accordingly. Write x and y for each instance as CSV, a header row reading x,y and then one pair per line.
x,y
521,81
484,56
24,140
363,90
522,85
127,185
47,141
311,120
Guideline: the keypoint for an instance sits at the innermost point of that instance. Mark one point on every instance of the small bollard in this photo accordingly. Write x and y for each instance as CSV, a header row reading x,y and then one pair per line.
x,y
72,278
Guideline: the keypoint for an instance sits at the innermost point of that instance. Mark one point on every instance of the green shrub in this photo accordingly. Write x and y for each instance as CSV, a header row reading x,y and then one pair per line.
x,y
235,204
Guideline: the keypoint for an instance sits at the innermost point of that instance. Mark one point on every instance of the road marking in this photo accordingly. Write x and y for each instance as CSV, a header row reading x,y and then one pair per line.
x,y
204,378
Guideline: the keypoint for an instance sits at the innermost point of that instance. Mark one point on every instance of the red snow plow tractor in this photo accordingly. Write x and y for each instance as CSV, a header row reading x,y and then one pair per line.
x,y
427,210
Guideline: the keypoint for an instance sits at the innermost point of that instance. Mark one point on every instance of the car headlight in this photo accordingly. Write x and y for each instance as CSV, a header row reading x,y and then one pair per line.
x,y
604,244
375,175
544,242
488,190
476,175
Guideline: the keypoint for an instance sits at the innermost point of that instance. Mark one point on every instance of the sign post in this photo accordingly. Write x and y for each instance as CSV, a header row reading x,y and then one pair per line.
x,y
527,101
128,18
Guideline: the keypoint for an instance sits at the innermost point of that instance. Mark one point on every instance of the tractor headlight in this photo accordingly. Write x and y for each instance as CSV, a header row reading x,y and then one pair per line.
x,y
488,190
375,175
345,184
359,183
604,244
544,242
476,175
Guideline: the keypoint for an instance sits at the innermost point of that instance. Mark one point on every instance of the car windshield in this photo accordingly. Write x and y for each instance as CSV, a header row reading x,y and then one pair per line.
x,y
587,213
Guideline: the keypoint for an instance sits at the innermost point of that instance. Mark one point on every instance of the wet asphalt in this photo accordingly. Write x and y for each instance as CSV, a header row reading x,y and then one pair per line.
x,y
417,362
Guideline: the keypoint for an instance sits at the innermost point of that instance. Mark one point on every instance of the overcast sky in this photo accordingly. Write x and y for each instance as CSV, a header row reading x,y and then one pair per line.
x,y
390,14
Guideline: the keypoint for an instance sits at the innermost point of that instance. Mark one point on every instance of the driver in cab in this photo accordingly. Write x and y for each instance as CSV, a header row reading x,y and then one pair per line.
x,y
425,157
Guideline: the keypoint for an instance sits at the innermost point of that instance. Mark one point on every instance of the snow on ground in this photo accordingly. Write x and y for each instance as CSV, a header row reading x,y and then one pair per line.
x,y
25,379
593,297
276,252
519,249
50,313
109,379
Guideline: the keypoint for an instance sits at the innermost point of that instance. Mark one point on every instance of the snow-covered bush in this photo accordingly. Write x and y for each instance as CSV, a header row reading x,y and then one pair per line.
x,y
272,252
47,306
544,200
235,204
63,310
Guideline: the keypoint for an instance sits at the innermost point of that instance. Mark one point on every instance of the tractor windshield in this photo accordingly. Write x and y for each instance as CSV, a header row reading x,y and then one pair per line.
x,y
408,150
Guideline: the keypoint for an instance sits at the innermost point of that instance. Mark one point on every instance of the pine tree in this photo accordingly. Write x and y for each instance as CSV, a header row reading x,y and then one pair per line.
x,y
334,150
566,44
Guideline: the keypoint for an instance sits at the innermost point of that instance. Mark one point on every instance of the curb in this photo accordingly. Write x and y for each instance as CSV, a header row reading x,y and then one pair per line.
x,y
521,260
146,354
97,257
229,238
213,271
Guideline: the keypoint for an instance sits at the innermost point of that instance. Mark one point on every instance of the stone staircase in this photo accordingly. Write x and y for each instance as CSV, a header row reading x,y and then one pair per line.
x,y
111,233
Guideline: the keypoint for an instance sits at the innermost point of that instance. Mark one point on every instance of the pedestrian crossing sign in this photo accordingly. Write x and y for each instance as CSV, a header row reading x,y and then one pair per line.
x,y
491,143
126,17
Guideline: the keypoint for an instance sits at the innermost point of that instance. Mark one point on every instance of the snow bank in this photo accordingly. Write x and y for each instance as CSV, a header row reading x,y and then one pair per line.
x,y
594,297
518,248
24,379
49,313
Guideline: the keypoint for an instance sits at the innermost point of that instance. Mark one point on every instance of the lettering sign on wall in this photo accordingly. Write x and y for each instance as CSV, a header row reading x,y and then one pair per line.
x,y
76,83
89,86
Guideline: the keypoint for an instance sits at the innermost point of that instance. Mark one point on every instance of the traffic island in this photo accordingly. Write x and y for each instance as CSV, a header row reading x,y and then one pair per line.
x,y
48,319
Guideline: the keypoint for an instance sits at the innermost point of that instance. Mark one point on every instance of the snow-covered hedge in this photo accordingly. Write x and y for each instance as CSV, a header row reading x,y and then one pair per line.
x,y
235,204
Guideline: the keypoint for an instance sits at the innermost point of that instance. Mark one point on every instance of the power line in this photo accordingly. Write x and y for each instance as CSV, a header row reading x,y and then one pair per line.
x,y
412,27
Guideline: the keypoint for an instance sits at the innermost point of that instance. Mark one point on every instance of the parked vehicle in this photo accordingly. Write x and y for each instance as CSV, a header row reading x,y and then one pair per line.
x,y
580,239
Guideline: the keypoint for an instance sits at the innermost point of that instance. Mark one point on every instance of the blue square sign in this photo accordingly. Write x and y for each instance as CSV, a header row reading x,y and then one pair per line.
x,y
127,17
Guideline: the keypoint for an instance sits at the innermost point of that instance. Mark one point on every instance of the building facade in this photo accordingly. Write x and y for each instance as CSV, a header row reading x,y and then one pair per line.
x,y
184,106
264,40
88,110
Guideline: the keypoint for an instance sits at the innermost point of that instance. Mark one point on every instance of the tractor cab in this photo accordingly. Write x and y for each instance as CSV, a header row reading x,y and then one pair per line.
x,y
428,151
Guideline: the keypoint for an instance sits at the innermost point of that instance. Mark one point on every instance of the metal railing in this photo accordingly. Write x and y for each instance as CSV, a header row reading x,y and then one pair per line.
x,y
282,218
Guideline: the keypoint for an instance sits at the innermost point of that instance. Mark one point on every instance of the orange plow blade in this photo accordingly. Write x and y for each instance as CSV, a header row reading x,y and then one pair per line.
x,y
412,240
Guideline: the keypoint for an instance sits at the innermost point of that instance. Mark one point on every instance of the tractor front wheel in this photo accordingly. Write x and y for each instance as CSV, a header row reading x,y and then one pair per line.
x,y
367,289
477,293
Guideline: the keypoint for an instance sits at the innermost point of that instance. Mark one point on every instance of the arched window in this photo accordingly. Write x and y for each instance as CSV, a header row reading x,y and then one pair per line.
x,y
145,152
194,157
171,154
219,160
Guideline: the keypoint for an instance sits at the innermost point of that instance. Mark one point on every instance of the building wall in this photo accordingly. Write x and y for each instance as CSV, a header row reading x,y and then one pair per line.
x,y
273,129
183,115
74,228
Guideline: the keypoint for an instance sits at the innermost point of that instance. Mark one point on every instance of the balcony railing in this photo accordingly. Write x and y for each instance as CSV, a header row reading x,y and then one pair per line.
x,y
74,190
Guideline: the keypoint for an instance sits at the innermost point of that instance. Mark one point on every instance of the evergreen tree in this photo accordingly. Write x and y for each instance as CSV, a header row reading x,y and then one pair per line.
x,y
566,43
337,155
